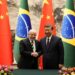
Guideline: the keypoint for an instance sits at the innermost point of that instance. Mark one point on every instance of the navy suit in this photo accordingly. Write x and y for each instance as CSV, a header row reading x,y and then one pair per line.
x,y
26,60
53,55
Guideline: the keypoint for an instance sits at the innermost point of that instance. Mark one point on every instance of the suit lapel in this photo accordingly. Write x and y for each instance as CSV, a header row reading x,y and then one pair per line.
x,y
51,42
44,42
29,44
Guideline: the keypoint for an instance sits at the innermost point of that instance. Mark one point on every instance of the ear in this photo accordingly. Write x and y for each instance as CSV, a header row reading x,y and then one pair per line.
x,y
52,28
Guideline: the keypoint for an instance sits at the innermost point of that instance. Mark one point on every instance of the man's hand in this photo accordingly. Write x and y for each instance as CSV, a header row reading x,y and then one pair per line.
x,y
61,66
34,54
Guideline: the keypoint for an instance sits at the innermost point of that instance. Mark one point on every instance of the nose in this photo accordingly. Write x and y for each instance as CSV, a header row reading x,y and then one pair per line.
x,y
46,31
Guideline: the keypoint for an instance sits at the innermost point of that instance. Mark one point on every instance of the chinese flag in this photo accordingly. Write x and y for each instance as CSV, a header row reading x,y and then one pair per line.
x,y
5,35
46,18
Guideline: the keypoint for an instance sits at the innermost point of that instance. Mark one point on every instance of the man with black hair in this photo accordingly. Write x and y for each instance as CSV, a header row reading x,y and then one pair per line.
x,y
53,51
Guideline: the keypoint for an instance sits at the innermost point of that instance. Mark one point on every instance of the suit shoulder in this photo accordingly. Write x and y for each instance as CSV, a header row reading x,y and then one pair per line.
x,y
42,39
37,41
24,40
57,38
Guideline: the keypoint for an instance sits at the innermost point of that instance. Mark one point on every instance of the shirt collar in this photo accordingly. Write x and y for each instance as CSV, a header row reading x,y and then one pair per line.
x,y
31,40
49,37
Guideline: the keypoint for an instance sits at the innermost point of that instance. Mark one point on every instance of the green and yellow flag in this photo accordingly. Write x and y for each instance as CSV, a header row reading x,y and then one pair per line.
x,y
68,34
23,26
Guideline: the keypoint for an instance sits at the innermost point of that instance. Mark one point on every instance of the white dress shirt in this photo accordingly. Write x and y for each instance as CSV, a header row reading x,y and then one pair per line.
x,y
34,46
48,38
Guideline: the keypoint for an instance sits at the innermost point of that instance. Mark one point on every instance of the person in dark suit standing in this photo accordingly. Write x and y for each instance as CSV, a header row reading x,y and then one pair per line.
x,y
53,51
30,50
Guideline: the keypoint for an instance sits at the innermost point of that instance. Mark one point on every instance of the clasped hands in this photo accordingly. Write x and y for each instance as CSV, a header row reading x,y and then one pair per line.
x,y
34,54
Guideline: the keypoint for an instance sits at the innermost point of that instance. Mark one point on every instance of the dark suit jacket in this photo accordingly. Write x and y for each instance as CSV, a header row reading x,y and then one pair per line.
x,y
26,60
54,54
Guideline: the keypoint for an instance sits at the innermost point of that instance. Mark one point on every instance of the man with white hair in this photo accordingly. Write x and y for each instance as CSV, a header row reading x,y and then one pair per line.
x,y
30,50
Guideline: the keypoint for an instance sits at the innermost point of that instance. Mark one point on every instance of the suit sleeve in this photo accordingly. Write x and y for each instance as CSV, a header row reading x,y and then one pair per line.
x,y
39,49
23,49
61,52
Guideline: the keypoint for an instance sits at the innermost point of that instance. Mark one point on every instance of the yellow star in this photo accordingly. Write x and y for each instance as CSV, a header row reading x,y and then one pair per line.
x,y
42,16
1,17
0,2
48,17
6,13
52,14
45,2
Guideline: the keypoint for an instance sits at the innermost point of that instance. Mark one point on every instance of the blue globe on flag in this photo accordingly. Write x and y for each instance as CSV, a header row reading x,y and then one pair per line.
x,y
68,27
23,25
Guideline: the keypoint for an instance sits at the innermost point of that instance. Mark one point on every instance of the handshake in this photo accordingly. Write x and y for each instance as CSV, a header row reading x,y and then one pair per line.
x,y
34,54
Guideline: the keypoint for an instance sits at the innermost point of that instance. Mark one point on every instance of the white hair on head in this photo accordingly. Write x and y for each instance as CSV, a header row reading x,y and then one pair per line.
x,y
32,30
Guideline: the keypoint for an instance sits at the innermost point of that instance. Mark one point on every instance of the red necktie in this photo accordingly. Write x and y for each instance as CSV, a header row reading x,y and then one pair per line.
x,y
47,42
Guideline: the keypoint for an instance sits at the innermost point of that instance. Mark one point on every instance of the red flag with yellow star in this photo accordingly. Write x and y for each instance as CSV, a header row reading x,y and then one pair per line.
x,y
46,18
5,35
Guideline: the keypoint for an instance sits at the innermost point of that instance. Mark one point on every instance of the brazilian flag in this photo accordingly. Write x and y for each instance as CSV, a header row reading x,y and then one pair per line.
x,y
68,34
23,26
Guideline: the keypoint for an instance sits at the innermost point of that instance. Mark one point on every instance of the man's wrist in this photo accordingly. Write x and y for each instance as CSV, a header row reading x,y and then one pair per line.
x,y
61,65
